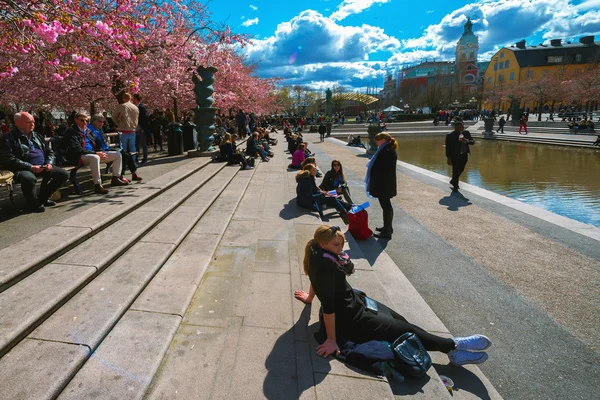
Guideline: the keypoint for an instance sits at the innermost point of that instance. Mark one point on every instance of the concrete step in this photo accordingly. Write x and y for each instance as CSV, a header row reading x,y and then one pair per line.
x,y
31,300
19,260
150,324
90,315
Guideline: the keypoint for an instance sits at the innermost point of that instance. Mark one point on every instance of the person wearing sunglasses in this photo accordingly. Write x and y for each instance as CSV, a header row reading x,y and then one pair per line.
x,y
83,149
335,180
349,315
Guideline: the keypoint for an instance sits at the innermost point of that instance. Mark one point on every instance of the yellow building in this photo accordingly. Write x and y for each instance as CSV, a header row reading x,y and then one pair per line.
x,y
515,64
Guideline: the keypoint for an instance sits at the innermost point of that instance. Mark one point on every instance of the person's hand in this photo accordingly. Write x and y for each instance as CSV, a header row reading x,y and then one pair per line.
x,y
449,161
302,296
37,169
102,155
48,167
327,348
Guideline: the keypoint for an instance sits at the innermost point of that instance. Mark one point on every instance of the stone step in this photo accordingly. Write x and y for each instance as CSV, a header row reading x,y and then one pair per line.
x,y
31,300
18,260
90,315
150,324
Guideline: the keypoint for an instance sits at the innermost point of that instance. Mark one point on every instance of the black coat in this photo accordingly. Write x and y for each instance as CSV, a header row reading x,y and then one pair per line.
x,y
455,148
76,145
382,183
144,118
14,150
306,189
322,129
328,182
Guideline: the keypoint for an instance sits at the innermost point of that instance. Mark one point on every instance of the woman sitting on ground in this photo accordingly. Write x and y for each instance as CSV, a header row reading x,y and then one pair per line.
x,y
298,157
336,180
228,152
308,195
345,316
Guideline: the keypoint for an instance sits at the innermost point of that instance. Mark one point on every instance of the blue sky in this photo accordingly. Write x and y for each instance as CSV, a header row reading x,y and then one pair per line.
x,y
322,43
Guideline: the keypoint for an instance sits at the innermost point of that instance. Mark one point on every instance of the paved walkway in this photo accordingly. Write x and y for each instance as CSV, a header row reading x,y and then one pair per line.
x,y
487,262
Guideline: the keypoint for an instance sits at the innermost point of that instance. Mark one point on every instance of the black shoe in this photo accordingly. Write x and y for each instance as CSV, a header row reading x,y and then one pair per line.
x,y
383,235
49,203
381,229
36,208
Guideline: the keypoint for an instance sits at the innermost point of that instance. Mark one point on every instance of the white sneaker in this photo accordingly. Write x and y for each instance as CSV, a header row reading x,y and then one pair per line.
x,y
249,167
472,343
461,357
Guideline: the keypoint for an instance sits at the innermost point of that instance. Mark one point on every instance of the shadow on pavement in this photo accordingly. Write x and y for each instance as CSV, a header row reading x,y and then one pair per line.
x,y
454,201
463,380
292,210
276,385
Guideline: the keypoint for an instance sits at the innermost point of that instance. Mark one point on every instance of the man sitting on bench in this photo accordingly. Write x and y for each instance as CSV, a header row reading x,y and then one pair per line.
x,y
28,156
83,149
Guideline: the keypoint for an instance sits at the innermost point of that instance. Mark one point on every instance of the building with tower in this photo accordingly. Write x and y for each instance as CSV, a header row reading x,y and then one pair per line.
x,y
450,81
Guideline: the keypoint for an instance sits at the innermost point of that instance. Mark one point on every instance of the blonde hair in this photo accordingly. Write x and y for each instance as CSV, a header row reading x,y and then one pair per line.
x,y
309,160
323,235
226,138
308,167
388,138
126,97
301,146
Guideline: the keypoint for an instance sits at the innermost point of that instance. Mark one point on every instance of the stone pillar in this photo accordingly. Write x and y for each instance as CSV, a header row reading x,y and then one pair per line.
x,y
373,130
204,113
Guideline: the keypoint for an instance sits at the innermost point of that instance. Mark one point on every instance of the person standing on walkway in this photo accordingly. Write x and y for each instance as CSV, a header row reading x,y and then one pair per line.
x,y
144,134
523,124
322,131
380,180
457,151
126,117
501,124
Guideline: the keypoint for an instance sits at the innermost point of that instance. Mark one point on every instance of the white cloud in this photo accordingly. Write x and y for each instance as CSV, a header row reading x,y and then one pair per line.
x,y
243,17
250,22
430,11
349,7
254,8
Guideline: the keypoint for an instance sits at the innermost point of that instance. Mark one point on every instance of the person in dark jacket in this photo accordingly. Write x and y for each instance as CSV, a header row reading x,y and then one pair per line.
x,y
501,124
144,136
335,180
457,151
25,153
346,317
84,149
322,131
381,180
228,152
308,195
253,146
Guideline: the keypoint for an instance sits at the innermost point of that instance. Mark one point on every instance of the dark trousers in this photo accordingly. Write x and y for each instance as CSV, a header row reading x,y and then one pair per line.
x,y
388,325
141,144
128,161
458,166
341,206
51,181
388,213
157,139
237,158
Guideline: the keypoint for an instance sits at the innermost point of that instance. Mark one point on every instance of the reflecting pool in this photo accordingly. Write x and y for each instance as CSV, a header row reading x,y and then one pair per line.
x,y
560,179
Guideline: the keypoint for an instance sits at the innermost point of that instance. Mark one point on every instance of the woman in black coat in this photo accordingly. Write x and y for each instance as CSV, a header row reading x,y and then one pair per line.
x,y
381,180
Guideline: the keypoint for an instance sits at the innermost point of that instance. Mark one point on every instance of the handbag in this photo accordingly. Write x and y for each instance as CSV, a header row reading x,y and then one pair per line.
x,y
410,356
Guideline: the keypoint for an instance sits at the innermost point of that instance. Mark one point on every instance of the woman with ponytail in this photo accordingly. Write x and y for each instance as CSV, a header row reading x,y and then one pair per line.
x,y
345,316
380,180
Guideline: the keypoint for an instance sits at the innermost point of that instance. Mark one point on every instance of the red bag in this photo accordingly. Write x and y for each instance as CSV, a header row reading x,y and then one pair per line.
x,y
358,225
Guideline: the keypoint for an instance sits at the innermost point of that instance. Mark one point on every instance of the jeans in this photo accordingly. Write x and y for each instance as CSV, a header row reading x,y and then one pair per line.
x,y
128,142
93,161
51,181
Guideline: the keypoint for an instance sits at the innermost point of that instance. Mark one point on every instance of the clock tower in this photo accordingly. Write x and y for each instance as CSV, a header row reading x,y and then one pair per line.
x,y
466,56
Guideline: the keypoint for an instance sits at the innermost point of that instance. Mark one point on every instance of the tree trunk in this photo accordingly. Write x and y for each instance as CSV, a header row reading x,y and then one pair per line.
x,y
175,109
92,108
